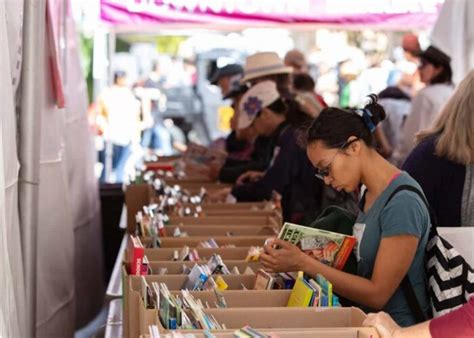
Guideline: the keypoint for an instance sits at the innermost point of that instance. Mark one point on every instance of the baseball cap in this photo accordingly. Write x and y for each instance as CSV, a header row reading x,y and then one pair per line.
x,y
254,100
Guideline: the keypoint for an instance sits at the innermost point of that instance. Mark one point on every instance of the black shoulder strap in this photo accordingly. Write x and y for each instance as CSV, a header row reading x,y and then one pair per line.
x,y
406,285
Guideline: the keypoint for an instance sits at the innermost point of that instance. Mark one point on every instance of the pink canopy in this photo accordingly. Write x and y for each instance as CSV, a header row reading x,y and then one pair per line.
x,y
388,14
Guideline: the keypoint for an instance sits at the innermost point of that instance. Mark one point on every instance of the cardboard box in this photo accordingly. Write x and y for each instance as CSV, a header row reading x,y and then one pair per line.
x,y
166,254
175,282
281,319
353,332
192,242
258,206
215,230
176,268
136,197
244,299
224,220
137,318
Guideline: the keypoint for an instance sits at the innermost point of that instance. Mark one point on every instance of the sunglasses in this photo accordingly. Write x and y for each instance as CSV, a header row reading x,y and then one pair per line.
x,y
324,172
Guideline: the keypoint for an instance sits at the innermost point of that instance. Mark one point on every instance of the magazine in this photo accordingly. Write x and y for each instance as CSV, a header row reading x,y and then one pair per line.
x,y
328,247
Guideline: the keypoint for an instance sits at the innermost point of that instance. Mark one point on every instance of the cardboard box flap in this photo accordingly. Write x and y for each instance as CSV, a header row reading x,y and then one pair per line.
x,y
284,317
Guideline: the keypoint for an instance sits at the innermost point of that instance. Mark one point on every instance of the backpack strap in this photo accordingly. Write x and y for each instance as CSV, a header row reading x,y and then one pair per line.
x,y
406,285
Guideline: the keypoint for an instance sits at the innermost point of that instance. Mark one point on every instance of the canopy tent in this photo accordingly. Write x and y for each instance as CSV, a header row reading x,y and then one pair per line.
x,y
145,15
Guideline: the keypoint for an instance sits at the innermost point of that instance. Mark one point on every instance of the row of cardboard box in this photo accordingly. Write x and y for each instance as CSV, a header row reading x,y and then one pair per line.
x,y
241,225
139,195
263,310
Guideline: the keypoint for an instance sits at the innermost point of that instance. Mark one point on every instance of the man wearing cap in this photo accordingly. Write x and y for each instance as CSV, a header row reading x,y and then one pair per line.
x,y
247,151
223,77
290,173
435,72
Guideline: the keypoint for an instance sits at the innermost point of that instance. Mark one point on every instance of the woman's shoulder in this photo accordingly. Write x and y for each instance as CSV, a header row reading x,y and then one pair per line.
x,y
423,153
404,189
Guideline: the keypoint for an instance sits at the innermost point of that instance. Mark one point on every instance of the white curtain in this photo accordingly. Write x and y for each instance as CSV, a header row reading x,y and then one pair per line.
x,y
11,266
55,273
83,187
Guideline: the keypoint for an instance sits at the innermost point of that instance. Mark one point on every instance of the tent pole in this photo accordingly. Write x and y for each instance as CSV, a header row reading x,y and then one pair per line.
x,y
34,22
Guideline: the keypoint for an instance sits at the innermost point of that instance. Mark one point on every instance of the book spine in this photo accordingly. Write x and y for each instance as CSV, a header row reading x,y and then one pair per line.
x,y
344,252
136,266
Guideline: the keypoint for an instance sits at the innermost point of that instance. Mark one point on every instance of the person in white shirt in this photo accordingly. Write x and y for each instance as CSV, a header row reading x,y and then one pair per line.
x,y
435,72
121,110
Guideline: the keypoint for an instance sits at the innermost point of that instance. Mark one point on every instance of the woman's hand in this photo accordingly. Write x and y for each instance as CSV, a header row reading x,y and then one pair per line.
x,y
282,256
249,176
218,196
384,324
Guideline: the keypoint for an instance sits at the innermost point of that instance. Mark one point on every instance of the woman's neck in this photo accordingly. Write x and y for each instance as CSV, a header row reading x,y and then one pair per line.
x,y
377,173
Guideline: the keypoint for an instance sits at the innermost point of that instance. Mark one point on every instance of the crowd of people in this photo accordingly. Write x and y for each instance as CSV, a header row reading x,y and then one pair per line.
x,y
286,143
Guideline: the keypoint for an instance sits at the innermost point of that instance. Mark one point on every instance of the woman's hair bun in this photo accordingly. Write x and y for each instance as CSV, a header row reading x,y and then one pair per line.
x,y
377,113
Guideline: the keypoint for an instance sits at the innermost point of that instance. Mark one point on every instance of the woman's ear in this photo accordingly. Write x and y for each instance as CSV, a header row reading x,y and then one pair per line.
x,y
355,146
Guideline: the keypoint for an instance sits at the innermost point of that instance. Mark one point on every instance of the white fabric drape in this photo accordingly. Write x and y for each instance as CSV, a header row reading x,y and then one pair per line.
x,y
83,187
454,34
55,273
11,266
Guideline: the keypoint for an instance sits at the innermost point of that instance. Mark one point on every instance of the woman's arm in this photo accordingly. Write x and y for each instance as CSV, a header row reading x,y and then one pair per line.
x,y
387,328
375,292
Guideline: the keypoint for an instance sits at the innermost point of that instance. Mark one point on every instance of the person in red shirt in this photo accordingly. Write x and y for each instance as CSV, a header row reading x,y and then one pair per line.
x,y
456,324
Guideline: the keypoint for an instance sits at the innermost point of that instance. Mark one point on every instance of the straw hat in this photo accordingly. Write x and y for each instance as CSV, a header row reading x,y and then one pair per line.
x,y
263,64
254,100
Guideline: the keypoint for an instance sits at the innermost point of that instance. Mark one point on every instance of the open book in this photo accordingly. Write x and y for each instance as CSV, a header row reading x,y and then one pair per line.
x,y
330,248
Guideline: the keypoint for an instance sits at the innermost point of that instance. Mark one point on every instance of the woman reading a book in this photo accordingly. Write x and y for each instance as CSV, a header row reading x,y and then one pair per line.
x,y
391,231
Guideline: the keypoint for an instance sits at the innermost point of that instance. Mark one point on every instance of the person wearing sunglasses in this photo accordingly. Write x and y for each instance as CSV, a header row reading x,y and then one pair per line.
x,y
435,72
391,234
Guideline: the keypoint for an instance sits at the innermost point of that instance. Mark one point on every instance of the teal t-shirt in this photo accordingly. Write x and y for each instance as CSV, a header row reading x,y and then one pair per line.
x,y
405,214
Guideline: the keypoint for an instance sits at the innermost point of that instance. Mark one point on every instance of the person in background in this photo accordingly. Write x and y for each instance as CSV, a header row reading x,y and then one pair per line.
x,y
391,234
290,173
225,77
296,60
442,162
121,111
456,324
302,81
156,138
304,87
397,104
435,72
268,66
239,143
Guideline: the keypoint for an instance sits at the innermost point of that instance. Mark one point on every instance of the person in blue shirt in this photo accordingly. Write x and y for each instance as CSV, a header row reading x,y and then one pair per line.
x,y
391,233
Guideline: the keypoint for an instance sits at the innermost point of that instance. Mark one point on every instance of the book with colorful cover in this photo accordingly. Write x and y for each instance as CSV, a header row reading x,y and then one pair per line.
x,y
301,295
330,248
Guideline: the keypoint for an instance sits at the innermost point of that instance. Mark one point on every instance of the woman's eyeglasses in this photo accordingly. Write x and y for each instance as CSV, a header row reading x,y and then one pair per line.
x,y
324,172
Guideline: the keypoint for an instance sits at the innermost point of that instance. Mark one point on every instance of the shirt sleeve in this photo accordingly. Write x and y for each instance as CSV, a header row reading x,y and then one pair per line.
x,y
456,324
405,214
413,124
